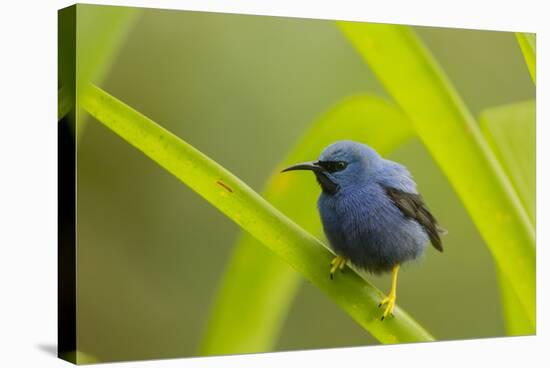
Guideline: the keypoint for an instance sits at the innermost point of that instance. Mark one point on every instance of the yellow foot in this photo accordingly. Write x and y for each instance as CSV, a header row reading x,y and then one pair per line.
x,y
389,302
337,263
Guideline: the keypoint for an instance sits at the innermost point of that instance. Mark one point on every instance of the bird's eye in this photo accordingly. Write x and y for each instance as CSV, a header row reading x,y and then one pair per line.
x,y
333,166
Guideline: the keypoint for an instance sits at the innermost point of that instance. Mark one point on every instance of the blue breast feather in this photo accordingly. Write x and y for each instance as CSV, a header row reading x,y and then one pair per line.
x,y
364,225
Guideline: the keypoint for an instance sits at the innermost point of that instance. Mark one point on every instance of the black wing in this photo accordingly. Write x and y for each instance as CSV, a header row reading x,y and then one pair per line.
x,y
413,206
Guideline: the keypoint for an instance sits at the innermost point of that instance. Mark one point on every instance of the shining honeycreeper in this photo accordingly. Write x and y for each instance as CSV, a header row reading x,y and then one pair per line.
x,y
371,211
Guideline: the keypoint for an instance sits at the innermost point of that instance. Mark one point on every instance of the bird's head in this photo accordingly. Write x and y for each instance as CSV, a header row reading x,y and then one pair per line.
x,y
342,164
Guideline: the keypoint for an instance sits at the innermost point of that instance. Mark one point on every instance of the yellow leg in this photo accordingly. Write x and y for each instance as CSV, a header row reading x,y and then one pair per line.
x,y
337,263
389,301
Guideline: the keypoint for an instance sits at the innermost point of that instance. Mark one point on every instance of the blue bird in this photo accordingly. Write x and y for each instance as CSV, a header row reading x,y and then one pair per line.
x,y
371,212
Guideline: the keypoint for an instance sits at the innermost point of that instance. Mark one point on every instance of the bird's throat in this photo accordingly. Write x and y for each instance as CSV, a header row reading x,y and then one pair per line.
x,y
326,183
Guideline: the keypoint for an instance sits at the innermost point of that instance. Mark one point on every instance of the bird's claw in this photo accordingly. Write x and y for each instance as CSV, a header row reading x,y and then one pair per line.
x,y
337,263
389,302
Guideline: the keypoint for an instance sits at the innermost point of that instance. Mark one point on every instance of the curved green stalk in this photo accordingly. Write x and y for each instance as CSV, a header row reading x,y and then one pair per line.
x,y
306,254
527,43
510,130
441,120
100,31
263,301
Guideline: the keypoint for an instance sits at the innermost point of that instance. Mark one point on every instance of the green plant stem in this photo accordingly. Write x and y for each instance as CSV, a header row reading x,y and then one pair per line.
x,y
510,131
517,321
527,43
306,254
412,76
100,32
264,300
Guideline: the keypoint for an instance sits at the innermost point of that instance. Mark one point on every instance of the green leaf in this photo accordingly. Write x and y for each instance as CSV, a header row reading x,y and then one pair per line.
x,y
412,76
511,133
510,130
307,255
517,321
528,45
264,300
100,32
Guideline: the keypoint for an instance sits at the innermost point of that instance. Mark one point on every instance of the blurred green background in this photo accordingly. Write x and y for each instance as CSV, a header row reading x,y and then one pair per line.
x,y
243,89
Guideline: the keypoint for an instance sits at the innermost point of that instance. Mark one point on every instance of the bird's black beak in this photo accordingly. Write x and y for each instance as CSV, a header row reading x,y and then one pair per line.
x,y
313,166
321,174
